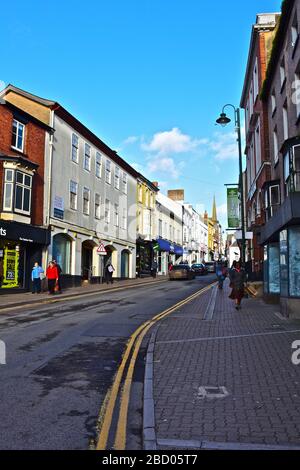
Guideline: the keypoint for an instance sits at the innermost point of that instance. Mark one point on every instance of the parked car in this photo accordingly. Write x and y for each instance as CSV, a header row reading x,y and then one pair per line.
x,y
211,266
181,271
199,269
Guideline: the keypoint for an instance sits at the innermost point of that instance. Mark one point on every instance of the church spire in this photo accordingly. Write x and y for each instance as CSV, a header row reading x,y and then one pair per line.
x,y
214,211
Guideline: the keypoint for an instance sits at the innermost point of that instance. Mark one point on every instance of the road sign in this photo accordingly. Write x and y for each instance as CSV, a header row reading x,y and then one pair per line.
x,y
101,249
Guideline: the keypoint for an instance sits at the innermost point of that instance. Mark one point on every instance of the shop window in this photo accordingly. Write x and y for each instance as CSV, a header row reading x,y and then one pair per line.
x,y
294,261
61,252
18,132
11,265
274,269
284,264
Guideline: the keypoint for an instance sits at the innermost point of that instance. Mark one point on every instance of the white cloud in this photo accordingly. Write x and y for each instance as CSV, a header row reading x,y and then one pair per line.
x,y
164,165
131,140
224,146
174,141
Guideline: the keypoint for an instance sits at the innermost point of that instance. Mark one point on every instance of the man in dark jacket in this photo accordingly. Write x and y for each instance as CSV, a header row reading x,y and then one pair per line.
x,y
237,282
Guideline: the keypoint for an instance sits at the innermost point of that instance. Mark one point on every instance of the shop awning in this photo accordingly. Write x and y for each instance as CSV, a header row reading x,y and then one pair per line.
x,y
165,245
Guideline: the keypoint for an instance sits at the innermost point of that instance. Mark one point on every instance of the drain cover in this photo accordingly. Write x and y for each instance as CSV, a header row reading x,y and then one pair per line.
x,y
212,392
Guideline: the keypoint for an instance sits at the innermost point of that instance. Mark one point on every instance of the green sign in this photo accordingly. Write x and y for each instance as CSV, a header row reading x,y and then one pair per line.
x,y
233,208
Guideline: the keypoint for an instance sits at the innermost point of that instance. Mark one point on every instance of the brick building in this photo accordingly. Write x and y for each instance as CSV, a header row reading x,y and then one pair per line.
x,y
22,236
280,235
258,169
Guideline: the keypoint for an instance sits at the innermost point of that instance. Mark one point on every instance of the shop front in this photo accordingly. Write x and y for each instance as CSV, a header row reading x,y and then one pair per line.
x,y
21,245
144,257
167,253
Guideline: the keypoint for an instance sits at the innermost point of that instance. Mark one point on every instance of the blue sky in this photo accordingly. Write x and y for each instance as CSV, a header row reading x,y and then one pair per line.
x,y
148,76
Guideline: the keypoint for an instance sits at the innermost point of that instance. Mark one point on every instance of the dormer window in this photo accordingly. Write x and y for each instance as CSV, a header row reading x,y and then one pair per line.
x,y
18,132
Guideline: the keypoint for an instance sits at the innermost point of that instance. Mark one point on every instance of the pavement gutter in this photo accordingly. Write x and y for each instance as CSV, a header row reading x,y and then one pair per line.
x,y
149,434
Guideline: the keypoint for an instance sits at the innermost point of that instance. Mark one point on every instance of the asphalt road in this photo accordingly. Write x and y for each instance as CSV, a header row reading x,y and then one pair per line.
x,y
61,360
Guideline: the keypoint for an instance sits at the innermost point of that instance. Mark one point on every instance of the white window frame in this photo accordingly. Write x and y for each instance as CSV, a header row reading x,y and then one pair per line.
x,y
117,177
275,146
87,157
76,147
294,31
11,184
282,72
86,190
98,165
124,219
273,102
108,171
73,184
19,124
124,182
97,205
117,209
23,186
107,211
285,122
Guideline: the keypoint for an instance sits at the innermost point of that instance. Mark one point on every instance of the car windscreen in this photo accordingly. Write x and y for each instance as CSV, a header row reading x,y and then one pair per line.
x,y
180,267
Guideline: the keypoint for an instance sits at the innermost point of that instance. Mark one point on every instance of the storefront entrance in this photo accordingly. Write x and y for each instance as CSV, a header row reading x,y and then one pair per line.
x,y
125,264
20,247
87,260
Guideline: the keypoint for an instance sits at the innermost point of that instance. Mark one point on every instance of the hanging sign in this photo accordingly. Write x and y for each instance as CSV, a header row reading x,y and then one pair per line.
x,y
233,207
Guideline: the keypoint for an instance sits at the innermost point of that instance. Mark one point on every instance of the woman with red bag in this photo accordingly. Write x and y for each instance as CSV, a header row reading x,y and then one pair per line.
x,y
52,276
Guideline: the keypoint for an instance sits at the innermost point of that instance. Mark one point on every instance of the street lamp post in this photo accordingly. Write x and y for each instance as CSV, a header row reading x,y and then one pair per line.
x,y
223,120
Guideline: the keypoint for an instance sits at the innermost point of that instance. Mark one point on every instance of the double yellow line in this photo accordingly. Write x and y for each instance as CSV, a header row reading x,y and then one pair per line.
x,y
109,403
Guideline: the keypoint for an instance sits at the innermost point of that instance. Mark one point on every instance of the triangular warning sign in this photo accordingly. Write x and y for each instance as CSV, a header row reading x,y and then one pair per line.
x,y
101,249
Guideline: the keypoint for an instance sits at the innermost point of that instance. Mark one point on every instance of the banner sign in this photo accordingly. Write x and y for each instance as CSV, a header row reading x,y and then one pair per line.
x,y
233,207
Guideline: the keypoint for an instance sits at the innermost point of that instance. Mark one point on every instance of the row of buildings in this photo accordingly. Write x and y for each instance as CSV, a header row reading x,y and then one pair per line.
x,y
63,191
271,100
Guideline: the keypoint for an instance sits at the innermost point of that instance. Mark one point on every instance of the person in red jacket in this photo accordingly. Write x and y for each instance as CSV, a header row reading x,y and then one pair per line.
x,y
52,276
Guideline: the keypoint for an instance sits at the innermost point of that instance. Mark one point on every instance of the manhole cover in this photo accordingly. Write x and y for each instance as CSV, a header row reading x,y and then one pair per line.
x,y
212,392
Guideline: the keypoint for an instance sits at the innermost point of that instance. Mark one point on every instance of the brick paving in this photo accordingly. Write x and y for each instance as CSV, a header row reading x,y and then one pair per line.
x,y
247,352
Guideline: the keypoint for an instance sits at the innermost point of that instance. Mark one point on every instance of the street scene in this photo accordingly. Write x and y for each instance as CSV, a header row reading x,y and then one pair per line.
x,y
150,230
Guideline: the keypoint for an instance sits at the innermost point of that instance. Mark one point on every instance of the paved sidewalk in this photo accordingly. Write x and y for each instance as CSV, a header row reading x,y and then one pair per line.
x,y
15,300
224,378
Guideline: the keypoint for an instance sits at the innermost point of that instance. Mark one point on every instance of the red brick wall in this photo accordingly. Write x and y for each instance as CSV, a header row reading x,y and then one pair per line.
x,y
34,150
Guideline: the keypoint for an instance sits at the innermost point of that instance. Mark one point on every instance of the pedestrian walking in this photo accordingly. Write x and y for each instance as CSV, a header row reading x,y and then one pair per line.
x,y
109,270
170,266
154,269
221,273
52,277
37,275
59,284
237,282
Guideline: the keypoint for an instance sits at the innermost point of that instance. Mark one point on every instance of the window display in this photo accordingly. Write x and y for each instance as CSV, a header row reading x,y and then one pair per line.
x,y
294,261
284,264
274,269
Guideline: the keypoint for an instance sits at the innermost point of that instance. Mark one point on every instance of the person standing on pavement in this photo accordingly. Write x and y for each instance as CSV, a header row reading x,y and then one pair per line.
x,y
237,282
109,270
36,277
59,276
154,269
52,277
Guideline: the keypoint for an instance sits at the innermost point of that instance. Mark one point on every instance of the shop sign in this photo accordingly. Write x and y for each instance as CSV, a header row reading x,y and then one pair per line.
x,y
58,207
24,233
2,232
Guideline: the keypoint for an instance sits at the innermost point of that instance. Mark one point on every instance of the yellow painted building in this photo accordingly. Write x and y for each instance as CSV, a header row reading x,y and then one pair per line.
x,y
145,224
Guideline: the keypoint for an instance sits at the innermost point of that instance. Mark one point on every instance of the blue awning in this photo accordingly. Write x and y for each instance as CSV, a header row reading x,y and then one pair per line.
x,y
164,245
178,250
